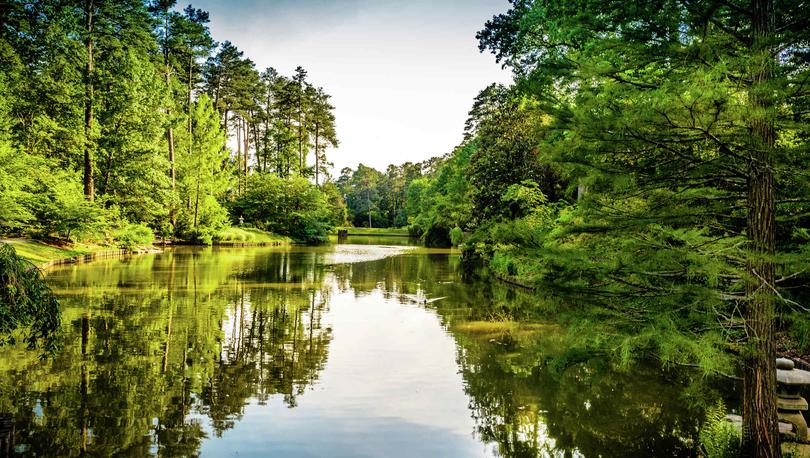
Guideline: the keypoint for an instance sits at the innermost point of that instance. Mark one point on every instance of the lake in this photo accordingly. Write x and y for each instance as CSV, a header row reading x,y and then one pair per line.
x,y
365,348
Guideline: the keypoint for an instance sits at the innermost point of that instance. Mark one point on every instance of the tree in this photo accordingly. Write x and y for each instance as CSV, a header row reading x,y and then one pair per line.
x,y
289,206
682,114
505,151
322,121
203,180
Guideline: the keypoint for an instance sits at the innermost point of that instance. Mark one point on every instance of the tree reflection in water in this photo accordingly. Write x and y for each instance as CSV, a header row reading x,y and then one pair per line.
x,y
162,352
522,399
154,346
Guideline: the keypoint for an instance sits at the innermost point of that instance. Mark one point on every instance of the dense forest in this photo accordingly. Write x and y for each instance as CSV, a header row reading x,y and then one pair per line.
x,y
124,119
651,161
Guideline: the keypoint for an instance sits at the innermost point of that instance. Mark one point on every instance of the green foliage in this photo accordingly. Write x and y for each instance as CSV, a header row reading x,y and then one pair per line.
x,y
26,302
719,438
647,109
456,236
506,132
288,206
441,201
136,130
339,213
377,199
71,215
202,181
134,235
250,236
524,198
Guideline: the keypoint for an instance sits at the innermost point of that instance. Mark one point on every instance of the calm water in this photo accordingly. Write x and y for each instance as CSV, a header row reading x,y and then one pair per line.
x,y
321,351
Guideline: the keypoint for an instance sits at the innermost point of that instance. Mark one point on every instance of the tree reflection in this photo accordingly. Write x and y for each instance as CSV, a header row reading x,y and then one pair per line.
x,y
522,400
171,348
154,349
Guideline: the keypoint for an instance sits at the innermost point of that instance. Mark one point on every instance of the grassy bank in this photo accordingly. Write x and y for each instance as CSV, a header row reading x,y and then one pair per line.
x,y
387,231
250,236
41,253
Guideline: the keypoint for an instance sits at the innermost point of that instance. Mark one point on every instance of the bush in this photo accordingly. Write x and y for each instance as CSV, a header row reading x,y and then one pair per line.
x,y
287,206
203,235
456,236
26,302
437,236
134,235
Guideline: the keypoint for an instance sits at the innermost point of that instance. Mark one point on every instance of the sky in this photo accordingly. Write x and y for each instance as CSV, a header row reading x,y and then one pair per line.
x,y
402,74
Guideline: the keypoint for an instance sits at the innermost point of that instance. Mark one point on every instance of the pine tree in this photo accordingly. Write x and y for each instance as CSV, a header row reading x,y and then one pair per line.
x,y
322,121
683,117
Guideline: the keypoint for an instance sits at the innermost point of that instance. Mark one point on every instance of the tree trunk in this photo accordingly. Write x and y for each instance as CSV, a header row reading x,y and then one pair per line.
x,y
169,130
255,130
225,129
246,140
89,191
190,90
300,135
760,424
317,154
368,202
170,139
197,201
238,158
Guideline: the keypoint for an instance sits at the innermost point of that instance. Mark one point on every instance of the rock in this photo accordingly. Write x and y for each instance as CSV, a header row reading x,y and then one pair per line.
x,y
785,364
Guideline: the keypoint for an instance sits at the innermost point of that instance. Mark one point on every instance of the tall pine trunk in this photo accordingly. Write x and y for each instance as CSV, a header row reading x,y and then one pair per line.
x,y
246,140
190,89
300,134
317,154
89,190
760,424
238,157
169,130
253,126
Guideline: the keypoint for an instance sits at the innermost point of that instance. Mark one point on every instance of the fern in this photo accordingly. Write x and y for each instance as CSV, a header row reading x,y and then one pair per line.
x,y
719,438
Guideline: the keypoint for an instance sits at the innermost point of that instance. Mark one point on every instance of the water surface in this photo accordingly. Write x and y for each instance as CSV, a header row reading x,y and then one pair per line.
x,y
346,350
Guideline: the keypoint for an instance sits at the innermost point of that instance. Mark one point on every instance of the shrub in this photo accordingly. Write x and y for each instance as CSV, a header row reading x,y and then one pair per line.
x,y
456,235
133,235
437,236
292,206
203,235
26,302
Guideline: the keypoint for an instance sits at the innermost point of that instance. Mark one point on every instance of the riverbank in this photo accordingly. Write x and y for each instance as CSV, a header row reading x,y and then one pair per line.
x,y
45,255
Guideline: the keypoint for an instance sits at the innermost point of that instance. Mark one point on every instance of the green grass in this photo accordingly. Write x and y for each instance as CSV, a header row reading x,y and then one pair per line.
x,y
389,231
40,253
250,235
